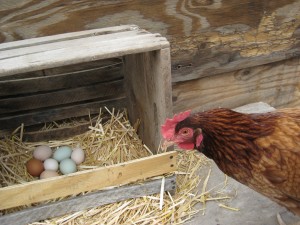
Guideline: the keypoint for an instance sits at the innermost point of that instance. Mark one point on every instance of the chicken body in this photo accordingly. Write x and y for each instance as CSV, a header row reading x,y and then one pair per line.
x,y
261,151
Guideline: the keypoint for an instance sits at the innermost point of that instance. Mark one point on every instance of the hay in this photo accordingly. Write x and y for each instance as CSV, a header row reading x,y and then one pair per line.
x,y
109,143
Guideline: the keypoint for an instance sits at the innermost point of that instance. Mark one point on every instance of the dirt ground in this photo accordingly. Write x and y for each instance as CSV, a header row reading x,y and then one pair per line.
x,y
255,209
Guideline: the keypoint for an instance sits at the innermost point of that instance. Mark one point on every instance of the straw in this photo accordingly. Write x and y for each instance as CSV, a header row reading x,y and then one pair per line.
x,y
112,142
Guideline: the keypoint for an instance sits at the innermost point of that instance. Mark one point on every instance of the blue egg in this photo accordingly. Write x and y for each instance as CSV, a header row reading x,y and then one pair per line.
x,y
62,153
67,166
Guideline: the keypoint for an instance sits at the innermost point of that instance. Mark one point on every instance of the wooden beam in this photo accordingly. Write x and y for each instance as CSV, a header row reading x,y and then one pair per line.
x,y
87,201
206,37
94,179
149,92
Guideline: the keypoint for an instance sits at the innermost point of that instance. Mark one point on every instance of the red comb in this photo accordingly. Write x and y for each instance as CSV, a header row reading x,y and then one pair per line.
x,y
168,128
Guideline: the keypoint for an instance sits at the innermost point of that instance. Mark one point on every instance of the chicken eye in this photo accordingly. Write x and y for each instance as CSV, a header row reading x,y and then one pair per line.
x,y
185,131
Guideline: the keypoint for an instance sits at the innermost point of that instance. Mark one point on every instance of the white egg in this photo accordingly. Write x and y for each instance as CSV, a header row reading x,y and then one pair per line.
x,y
77,155
51,164
42,152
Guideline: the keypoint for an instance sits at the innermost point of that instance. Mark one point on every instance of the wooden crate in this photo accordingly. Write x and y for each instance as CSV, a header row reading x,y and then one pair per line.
x,y
116,66
72,75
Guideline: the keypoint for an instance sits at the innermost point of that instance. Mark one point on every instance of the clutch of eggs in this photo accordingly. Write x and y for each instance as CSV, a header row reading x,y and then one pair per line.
x,y
44,164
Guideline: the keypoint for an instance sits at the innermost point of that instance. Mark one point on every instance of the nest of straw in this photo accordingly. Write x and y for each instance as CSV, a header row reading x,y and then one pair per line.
x,y
107,143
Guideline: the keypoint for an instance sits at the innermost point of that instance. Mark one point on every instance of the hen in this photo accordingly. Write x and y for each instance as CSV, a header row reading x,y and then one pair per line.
x,y
260,150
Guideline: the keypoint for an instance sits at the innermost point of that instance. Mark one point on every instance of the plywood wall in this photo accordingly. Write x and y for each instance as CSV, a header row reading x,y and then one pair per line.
x,y
213,42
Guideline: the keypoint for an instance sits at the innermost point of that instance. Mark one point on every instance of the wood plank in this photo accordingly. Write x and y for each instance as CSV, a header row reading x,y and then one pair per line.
x,y
105,64
66,36
276,84
94,179
59,113
64,69
216,65
207,37
81,52
87,201
61,97
59,133
32,74
104,39
75,79
37,134
149,92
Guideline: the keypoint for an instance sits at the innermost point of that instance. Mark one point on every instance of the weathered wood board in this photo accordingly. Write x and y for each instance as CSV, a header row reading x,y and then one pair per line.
x,y
141,81
277,84
89,180
87,201
67,49
207,37
57,93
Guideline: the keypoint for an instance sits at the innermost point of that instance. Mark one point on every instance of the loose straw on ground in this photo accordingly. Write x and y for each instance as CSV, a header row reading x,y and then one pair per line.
x,y
112,142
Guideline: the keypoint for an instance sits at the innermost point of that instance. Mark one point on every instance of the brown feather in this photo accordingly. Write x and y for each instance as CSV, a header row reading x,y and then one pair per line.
x,y
259,150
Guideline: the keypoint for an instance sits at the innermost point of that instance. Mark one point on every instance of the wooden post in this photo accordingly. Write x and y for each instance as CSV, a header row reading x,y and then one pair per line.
x,y
149,92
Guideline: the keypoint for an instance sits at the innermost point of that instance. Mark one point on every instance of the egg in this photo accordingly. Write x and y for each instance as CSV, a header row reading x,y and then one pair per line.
x,y
34,167
62,153
48,173
67,166
77,155
42,152
51,164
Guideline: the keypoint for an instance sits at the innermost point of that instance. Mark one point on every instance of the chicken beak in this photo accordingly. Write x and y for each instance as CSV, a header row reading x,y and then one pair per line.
x,y
167,144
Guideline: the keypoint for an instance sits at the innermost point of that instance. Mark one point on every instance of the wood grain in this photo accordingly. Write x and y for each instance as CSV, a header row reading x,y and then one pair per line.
x,y
58,82
63,70
207,37
61,97
94,179
149,92
277,84
87,201
98,45
60,113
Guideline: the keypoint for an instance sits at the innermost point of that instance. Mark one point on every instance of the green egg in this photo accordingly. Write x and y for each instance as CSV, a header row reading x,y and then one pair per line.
x,y
62,153
67,166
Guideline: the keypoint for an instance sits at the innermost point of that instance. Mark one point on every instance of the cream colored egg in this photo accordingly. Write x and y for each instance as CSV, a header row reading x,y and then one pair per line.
x,y
78,155
48,173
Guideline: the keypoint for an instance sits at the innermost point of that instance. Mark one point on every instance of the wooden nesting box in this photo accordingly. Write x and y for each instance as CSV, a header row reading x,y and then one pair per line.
x,y
84,181
71,75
